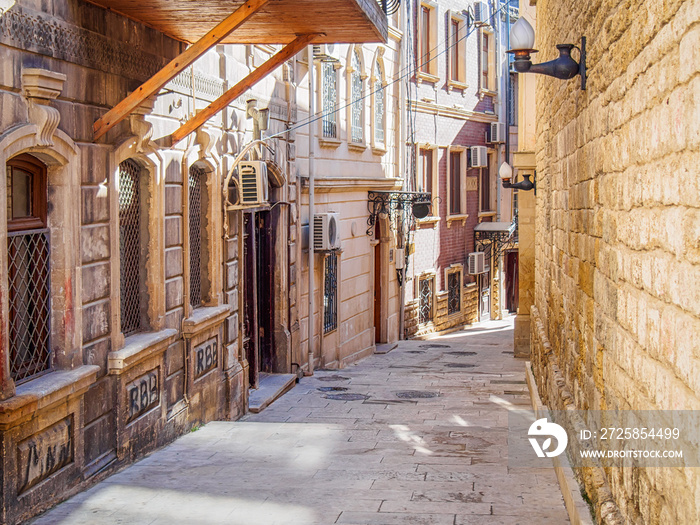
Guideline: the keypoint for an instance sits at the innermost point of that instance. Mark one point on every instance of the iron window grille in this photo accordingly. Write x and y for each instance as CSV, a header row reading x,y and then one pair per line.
x,y
426,287
379,115
454,300
29,298
130,246
330,294
197,178
357,101
329,93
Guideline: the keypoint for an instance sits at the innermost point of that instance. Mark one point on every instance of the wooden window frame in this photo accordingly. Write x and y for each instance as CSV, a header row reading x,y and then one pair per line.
x,y
427,66
457,53
489,174
434,181
486,34
351,71
329,142
39,197
462,177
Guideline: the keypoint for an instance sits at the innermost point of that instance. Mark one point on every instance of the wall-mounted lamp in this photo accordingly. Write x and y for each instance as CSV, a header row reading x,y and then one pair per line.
x,y
505,172
522,41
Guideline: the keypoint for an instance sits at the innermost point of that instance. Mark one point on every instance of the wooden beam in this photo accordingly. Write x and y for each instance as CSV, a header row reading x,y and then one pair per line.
x,y
175,67
248,82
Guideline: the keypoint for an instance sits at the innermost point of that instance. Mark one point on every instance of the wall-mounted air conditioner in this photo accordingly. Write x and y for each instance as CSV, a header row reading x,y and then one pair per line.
x,y
479,157
476,263
327,51
252,179
326,232
481,13
498,132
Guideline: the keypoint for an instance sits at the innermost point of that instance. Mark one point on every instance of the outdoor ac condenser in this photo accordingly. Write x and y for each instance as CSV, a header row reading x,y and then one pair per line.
x,y
498,132
326,232
476,263
479,157
253,183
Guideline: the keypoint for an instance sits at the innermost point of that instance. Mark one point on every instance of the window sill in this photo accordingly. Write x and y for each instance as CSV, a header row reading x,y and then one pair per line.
x,y
139,347
428,221
487,92
456,84
204,317
44,391
327,142
486,214
452,218
427,77
379,149
357,146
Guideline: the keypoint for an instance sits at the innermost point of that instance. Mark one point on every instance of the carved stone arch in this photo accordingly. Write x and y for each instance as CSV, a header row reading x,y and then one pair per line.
x,y
63,172
149,158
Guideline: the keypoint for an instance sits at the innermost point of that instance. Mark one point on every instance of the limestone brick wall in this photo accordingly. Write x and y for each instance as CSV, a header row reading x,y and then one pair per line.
x,y
617,291
468,313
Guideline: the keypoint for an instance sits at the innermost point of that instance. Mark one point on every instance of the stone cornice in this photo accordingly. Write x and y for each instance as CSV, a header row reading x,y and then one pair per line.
x,y
446,111
331,184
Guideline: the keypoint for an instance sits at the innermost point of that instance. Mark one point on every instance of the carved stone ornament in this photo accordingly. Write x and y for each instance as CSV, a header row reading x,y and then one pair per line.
x,y
40,87
139,127
205,138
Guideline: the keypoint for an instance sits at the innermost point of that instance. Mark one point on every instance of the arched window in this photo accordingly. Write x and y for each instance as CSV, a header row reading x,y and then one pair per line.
x,y
197,194
329,94
28,267
131,268
358,104
379,104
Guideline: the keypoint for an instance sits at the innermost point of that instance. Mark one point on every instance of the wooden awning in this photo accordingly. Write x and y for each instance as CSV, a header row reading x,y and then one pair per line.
x,y
277,22
206,23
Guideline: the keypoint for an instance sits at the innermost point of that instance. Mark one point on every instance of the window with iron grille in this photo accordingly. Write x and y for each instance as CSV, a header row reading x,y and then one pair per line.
x,y
130,246
197,180
329,93
379,114
426,288
28,268
454,298
358,104
330,294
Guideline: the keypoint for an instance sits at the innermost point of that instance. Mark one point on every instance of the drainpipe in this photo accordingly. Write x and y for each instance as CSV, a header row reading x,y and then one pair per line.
x,y
312,153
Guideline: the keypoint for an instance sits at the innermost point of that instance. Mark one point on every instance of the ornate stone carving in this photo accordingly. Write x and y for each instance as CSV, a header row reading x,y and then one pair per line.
x,y
205,138
139,126
40,87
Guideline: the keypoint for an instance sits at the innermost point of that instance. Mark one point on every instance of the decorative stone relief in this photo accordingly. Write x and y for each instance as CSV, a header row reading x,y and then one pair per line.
x,y
40,87
205,138
44,453
139,126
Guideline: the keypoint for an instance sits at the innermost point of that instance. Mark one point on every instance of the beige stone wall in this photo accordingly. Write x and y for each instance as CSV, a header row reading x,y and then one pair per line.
x,y
617,288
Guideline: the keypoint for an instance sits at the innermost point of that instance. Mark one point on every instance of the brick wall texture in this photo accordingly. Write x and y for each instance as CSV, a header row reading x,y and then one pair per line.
x,y
617,291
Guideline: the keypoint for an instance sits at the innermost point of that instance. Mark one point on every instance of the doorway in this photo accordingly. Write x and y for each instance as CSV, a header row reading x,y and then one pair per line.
x,y
485,296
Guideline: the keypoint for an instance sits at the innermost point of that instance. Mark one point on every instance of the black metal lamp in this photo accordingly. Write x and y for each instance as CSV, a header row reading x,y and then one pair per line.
x,y
522,41
505,172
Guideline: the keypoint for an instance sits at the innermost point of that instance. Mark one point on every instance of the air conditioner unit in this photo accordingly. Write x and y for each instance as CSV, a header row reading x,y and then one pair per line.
x,y
479,157
476,263
498,132
327,51
481,14
326,232
252,177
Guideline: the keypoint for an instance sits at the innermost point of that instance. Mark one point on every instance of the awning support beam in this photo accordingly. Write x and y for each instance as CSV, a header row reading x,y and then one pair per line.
x,y
241,87
175,67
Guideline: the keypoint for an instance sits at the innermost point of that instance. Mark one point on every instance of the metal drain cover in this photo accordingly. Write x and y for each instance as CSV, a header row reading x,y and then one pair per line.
x,y
434,345
460,353
333,378
460,365
415,351
346,397
416,394
332,388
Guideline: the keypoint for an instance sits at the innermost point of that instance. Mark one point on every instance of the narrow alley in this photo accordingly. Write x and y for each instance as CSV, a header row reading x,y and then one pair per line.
x,y
417,435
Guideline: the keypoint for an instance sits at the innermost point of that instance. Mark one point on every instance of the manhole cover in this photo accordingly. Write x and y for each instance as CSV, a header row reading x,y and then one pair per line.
x,y
346,397
416,394
461,353
415,352
461,365
333,378
434,345
332,388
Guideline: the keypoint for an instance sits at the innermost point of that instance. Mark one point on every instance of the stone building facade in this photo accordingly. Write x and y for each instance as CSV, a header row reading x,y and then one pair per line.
x,y
457,92
616,314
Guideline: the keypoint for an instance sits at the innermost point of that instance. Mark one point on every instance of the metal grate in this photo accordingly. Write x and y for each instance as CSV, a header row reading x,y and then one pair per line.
x,y
196,182
425,292
130,246
379,115
453,292
29,298
357,101
329,92
330,294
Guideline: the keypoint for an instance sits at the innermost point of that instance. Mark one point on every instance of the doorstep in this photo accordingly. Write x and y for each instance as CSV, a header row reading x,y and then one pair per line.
x,y
270,387
385,348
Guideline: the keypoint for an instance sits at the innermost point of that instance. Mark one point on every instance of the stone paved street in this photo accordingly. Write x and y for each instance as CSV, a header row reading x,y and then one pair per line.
x,y
387,459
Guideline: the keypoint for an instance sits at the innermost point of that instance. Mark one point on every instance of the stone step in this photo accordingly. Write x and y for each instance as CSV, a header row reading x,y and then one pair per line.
x,y
270,387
